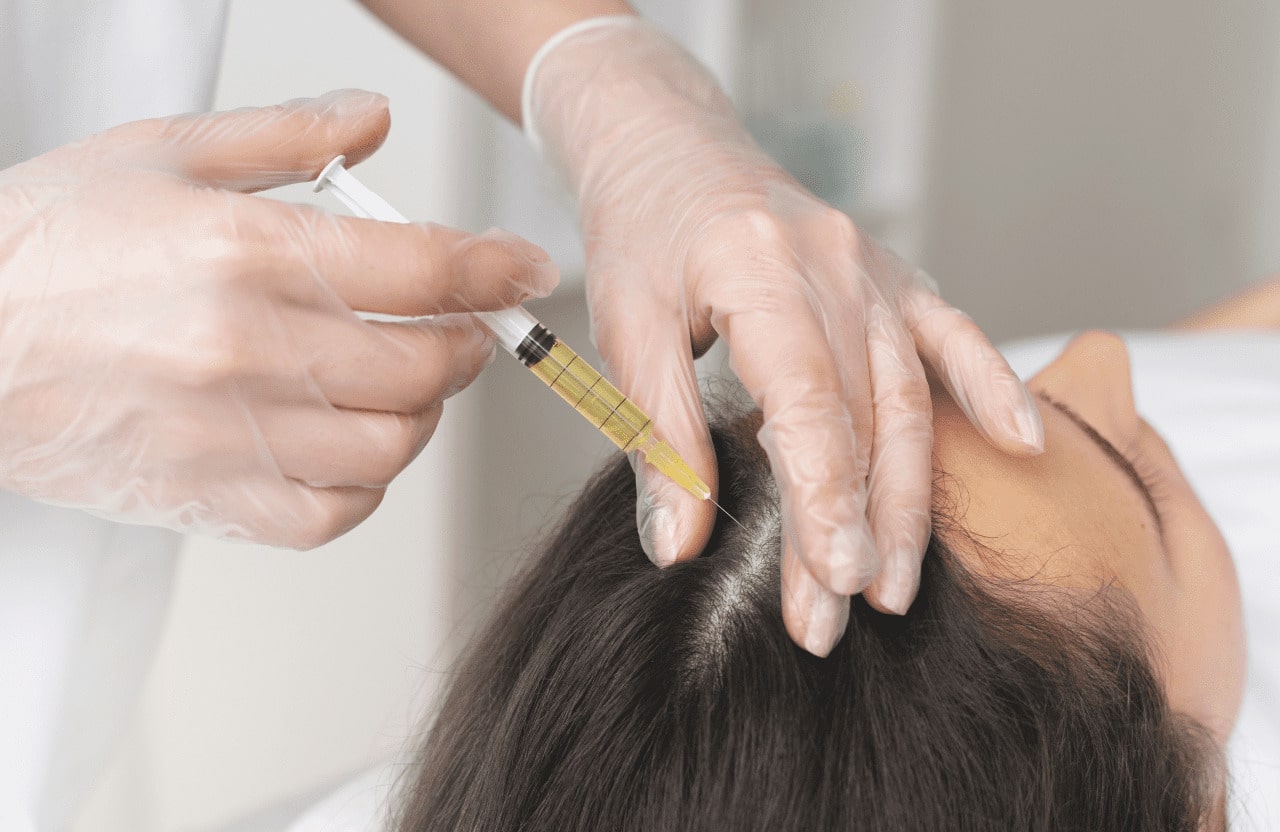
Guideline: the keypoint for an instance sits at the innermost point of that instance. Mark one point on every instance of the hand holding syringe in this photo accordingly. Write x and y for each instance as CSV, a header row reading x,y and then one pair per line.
x,y
559,367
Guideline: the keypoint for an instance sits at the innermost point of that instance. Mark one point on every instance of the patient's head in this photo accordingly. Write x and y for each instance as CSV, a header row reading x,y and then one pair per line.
x,y
1105,504
1042,680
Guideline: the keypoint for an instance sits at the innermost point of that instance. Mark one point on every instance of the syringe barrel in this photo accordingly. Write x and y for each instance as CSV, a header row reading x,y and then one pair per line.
x,y
586,390
604,406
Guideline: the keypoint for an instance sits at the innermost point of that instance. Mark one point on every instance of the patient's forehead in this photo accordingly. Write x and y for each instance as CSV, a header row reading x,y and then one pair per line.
x,y
1067,516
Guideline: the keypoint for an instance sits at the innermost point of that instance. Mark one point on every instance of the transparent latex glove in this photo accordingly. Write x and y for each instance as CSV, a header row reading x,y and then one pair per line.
x,y
692,232
178,353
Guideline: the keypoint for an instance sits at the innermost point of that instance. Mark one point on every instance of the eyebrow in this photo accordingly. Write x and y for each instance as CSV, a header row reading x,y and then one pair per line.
x,y
1121,461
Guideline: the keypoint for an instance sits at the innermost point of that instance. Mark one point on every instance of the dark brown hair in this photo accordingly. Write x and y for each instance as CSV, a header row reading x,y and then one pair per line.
x,y
610,695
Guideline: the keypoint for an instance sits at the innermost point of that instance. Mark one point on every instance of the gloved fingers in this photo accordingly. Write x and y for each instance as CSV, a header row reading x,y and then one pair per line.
x,y
256,148
901,482
815,617
974,372
845,321
808,434
303,516
649,357
403,367
328,447
411,269
673,524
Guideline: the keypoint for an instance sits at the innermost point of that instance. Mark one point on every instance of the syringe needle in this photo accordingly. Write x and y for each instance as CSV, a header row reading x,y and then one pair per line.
x,y
726,513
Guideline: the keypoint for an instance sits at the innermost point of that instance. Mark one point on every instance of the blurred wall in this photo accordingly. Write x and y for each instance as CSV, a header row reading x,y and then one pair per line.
x,y
1101,163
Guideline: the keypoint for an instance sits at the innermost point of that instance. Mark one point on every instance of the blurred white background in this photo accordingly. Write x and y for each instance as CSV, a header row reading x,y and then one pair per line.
x,y
1052,165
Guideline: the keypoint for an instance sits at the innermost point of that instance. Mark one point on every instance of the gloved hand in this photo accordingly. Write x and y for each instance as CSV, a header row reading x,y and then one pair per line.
x,y
691,232
175,352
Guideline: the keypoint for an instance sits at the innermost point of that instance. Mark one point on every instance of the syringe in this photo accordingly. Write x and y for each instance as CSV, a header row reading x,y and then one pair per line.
x,y
559,367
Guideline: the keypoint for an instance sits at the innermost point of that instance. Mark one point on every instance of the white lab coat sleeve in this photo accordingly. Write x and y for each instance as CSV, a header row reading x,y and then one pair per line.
x,y
82,604
82,600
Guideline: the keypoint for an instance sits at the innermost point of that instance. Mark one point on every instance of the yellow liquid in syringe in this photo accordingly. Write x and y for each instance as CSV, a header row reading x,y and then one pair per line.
x,y
604,406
